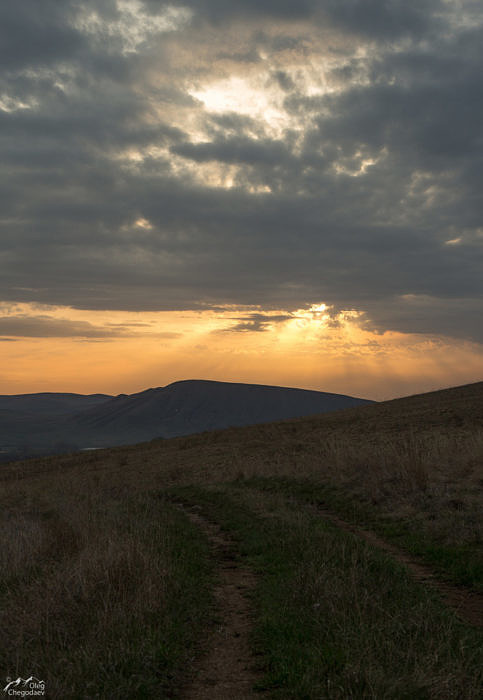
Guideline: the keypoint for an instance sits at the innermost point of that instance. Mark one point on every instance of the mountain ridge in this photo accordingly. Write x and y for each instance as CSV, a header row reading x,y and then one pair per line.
x,y
181,408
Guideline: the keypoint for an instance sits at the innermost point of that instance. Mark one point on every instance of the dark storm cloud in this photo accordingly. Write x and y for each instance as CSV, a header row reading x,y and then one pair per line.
x,y
36,33
449,317
50,327
236,150
374,199
383,19
374,18
434,119
44,326
218,11
257,322
284,80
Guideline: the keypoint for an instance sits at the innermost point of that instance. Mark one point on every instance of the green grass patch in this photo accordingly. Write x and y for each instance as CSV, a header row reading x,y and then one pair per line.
x,y
334,617
462,564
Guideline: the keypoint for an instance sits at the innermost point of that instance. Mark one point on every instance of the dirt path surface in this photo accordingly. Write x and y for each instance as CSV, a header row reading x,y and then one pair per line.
x,y
225,670
467,604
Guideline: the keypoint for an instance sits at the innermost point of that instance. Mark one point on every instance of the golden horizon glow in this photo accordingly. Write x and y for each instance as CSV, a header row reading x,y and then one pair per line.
x,y
313,348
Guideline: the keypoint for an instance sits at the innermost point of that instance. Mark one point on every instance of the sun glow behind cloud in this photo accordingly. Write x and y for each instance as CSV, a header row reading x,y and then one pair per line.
x,y
248,97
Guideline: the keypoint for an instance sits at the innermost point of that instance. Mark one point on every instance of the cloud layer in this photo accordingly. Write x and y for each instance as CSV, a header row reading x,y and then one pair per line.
x,y
275,154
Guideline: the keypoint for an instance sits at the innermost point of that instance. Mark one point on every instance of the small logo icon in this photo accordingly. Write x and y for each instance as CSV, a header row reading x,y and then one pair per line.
x,y
30,687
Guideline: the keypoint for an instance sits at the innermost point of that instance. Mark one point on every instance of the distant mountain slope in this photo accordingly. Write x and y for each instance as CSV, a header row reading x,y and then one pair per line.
x,y
32,423
55,422
193,406
50,403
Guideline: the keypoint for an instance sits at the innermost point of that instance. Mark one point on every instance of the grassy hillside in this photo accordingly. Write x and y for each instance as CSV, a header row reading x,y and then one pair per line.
x,y
107,585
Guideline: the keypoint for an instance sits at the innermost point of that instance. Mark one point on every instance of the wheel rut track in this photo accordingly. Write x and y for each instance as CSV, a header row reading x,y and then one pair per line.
x,y
226,665
466,603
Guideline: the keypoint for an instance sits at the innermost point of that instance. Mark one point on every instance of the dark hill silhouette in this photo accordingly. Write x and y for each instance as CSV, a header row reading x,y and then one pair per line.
x,y
181,408
48,403
31,424
194,406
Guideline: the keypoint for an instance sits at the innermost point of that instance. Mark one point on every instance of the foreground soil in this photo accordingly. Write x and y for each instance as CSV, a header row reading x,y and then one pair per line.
x,y
226,666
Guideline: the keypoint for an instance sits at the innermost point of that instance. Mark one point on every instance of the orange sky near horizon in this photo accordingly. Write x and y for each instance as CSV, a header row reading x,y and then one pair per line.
x,y
125,352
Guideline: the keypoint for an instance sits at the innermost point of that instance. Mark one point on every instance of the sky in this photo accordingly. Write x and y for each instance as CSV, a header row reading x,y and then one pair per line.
x,y
272,191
